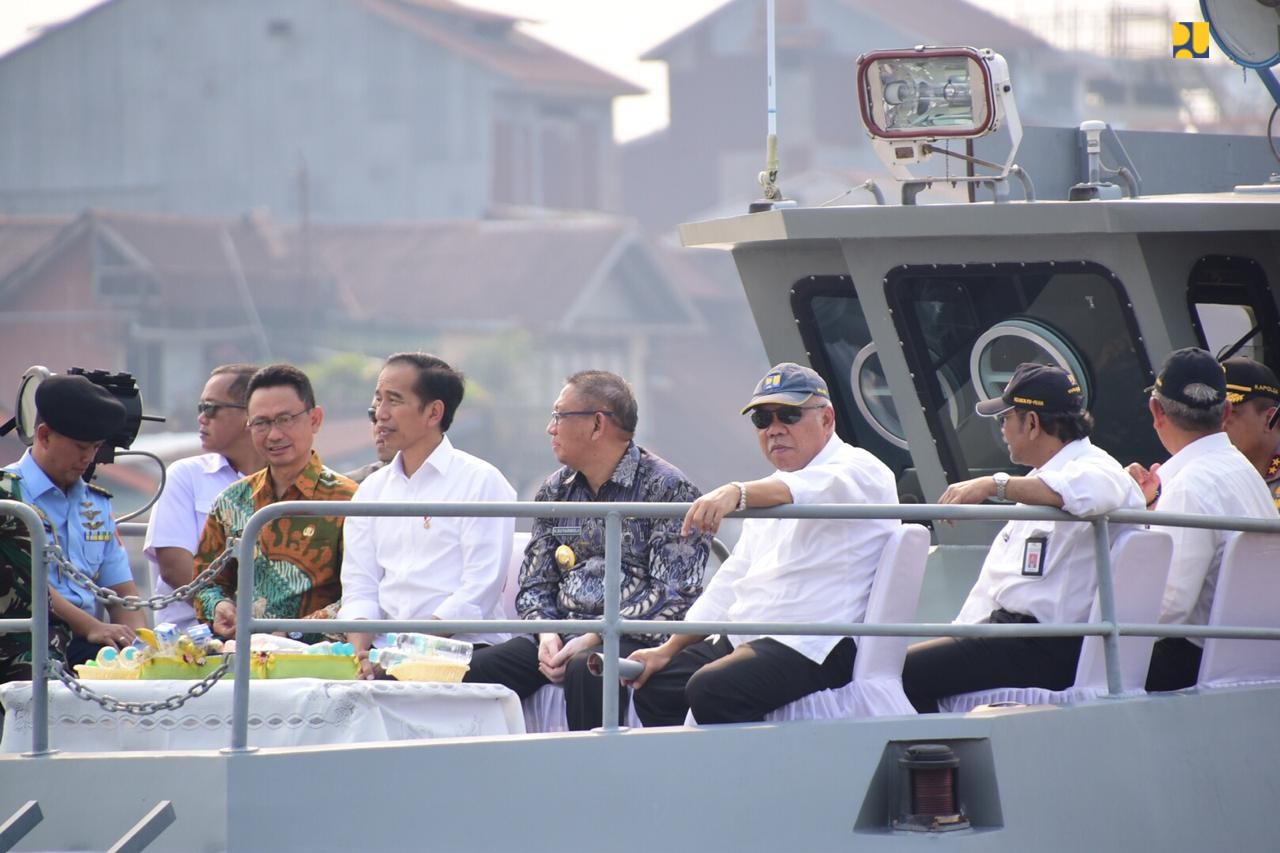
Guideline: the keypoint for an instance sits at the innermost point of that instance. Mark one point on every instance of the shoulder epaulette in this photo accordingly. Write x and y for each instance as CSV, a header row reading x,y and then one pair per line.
x,y
10,483
98,490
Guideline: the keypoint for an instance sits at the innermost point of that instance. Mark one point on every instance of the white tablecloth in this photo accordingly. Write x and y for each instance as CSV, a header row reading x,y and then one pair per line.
x,y
283,712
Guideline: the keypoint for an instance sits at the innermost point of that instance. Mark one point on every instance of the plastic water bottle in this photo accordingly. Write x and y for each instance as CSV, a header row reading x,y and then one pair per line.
x,y
331,648
389,657
109,657
429,646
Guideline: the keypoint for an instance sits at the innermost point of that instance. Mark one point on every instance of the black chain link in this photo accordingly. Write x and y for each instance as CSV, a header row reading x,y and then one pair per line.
x,y
135,602
139,709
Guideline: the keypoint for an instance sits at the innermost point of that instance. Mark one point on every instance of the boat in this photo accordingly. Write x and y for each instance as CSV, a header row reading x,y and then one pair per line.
x,y
912,312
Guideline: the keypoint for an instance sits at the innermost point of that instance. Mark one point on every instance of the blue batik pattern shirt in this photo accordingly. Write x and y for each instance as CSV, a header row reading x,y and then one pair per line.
x,y
661,570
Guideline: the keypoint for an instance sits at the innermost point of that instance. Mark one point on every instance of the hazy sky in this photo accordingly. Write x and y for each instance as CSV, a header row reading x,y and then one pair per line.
x,y
609,33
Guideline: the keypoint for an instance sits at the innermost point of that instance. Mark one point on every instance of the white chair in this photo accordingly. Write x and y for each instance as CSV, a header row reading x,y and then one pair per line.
x,y
1140,567
544,711
1247,596
519,541
876,688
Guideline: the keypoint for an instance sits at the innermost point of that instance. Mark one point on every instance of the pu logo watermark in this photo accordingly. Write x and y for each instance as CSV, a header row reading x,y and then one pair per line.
x,y
1191,40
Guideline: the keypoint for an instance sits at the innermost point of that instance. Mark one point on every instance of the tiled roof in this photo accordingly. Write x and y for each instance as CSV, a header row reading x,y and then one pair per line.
x,y
22,237
494,42
451,275
467,274
942,22
952,22
187,255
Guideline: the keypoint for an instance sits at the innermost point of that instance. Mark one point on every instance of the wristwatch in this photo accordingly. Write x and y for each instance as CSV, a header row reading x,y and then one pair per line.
x,y
1002,483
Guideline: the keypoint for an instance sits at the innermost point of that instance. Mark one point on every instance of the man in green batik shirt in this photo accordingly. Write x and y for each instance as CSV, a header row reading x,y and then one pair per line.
x,y
298,559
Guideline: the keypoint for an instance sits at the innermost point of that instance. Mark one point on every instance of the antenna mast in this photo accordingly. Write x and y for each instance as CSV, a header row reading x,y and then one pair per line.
x,y
769,177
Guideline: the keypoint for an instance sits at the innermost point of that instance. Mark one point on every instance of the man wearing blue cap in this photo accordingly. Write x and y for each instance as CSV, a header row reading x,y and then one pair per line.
x,y
1035,571
74,417
782,570
1205,474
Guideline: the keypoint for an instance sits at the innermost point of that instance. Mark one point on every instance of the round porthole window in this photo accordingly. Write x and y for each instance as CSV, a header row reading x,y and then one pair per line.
x,y
875,402
999,350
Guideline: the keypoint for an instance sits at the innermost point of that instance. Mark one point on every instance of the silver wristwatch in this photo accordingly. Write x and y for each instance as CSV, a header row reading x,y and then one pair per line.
x,y
1002,483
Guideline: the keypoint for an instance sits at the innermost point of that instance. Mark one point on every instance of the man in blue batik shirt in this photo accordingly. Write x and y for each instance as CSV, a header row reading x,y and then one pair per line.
x,y
74,418
562,577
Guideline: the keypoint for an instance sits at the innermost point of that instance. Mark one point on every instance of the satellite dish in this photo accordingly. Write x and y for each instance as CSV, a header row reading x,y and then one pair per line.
x,y
1245,30
24,410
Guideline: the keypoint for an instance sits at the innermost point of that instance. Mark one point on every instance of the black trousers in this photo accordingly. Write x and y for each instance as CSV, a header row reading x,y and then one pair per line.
x,y
1175,664
724,684
514,664
950,665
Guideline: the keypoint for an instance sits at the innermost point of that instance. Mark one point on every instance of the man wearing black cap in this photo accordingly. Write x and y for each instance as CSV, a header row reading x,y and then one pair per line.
x,y
782,570
1036,571
1205,474
1254,393
73,418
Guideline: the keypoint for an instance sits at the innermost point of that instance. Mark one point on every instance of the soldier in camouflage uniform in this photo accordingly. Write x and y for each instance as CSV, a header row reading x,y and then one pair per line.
x,y
15,592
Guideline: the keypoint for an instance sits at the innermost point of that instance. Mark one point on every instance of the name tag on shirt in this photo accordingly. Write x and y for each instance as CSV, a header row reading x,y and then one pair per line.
x,y
1033,554
567,531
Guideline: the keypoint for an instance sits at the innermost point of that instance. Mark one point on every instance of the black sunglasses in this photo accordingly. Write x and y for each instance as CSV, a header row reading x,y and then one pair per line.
x,y
787,416
209,408
373,415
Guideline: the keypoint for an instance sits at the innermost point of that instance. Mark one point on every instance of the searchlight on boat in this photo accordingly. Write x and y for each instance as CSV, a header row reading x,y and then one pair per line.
x,y
911,100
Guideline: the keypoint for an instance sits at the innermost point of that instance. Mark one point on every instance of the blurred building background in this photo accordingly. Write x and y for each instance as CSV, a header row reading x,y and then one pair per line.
x,y
186,183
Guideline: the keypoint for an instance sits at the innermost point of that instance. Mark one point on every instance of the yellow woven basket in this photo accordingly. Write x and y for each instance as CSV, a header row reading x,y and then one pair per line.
x,y
88,672
417,670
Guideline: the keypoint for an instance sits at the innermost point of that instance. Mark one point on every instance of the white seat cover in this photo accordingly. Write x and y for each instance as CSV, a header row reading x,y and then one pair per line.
x,y
1140,567
1247,595
876,688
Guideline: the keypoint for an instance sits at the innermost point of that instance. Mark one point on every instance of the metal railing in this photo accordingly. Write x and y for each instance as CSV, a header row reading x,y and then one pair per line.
x,y
37,623
612,626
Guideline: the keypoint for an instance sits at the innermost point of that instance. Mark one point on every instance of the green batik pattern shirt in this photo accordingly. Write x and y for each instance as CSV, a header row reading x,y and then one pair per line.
x,y
298,561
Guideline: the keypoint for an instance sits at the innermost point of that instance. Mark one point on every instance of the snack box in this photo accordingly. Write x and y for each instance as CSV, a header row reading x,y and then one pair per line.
x,y
293,665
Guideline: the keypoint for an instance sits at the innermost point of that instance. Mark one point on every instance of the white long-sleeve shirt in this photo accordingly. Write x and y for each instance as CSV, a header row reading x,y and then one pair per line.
x,y
807,570
1090,482
190,487
1207,476
416,568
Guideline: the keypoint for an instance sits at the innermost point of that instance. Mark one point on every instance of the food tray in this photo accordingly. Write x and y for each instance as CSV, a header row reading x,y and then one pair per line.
x,y
177,668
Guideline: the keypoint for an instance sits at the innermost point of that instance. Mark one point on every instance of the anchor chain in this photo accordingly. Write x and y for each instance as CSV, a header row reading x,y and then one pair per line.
x,y
135,602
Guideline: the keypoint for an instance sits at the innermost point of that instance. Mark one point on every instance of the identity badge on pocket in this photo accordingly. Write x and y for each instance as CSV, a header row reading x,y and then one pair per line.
x,y
1033,555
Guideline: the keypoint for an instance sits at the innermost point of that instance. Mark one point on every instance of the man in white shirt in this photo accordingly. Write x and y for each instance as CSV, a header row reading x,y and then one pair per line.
x,y
1205,474
431,567
782,570
191,485
1035,571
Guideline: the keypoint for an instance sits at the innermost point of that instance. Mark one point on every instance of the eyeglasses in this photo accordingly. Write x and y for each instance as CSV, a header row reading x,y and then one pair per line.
x,y
787,416
210,408
556,417
280,422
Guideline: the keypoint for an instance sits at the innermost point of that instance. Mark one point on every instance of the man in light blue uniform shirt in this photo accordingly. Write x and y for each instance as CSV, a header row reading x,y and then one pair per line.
x,y
74,418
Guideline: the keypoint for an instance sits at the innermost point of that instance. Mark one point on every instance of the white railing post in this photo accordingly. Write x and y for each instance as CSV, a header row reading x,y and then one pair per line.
x,y
612,608
1107,604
